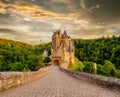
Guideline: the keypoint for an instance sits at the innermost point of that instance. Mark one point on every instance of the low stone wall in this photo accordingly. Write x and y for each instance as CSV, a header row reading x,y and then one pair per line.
x,y
103,81
12,79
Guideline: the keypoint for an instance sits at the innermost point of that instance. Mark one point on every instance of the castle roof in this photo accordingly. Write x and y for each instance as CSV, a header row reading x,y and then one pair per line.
x,y
65,34
63,44
70,48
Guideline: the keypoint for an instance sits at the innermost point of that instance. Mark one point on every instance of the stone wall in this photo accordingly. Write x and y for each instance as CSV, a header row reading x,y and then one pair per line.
x,y
103,81
12,79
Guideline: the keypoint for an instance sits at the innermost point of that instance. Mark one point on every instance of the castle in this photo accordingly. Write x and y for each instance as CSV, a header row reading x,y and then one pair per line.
x,y
62,50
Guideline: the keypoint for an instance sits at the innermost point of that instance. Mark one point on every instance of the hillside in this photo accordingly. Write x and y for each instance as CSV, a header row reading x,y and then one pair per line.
x,y
105,52
20,56
98,50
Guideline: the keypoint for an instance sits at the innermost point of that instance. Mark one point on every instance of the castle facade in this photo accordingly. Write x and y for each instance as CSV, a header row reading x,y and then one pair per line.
x,y
62,50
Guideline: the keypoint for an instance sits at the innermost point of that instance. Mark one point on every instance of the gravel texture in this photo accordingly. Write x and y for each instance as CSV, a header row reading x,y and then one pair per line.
x,y
58,84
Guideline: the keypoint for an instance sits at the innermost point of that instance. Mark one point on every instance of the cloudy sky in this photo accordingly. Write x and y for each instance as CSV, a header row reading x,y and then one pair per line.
x,y
34,21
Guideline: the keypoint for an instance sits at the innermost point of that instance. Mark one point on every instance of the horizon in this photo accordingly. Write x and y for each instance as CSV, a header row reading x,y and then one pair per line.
x,y
34,21
43,42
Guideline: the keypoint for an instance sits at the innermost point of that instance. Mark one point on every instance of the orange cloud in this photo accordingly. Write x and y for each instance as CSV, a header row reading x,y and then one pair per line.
x,y
59,1
33,0
39,12
2,8
33,11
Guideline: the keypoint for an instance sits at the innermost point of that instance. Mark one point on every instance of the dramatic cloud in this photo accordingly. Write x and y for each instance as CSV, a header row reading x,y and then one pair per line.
x,y
30,10
60,1
2,8
34,21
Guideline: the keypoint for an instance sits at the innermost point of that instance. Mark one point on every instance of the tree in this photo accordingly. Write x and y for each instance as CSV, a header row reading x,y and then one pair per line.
x,y
34,62
98,50
16,66
78,66
47,59
20,56
117,73
89,68
109,68
26,69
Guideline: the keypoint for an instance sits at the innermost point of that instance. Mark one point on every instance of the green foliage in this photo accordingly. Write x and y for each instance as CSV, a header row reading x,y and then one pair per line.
x,y
15,66
117,73
47,59
109,68
40,48
100,69
78,66
98,50
34,62
89,67
26,69
20,56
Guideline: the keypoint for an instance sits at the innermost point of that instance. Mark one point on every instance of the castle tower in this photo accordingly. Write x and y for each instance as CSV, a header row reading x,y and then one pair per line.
x,y
62,50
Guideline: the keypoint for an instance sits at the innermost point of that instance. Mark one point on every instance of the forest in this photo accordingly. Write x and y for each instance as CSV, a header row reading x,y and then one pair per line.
x,y
105,52
20,56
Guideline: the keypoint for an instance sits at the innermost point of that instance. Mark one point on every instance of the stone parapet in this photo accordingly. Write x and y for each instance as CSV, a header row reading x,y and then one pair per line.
x,y
106,82
12,79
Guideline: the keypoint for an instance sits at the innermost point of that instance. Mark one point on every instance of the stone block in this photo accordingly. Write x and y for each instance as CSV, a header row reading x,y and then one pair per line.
x,y
102,81
12,79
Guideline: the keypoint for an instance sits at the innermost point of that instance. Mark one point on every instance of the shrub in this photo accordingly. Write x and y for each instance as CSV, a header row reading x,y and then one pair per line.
x,y
15,66
100,69
109,68
118,73
78,66
26,69
89,67
47,59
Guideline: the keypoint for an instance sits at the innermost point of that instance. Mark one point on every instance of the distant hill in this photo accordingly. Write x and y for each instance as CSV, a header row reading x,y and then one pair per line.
x,y
20,56
98,50
14,43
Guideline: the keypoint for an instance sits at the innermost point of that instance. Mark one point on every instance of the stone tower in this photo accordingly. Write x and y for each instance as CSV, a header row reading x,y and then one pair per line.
x,y
62,50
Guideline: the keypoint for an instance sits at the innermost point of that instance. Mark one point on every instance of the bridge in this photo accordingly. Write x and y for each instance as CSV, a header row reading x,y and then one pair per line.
x,y
57,83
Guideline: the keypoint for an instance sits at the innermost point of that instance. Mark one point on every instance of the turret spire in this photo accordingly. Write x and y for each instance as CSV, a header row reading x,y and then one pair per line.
x,y
65,34
70,45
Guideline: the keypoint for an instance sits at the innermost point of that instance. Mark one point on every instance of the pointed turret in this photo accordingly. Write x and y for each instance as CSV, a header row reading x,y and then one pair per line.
x,y
64,44
62,49
59,33
70,47
65,34
56,35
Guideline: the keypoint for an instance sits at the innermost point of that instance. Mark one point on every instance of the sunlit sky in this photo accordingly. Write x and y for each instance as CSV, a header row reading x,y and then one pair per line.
x,y
34,21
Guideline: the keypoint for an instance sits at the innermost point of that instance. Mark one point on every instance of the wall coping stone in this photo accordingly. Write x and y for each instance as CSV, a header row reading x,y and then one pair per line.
x,y
13,79
103,81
